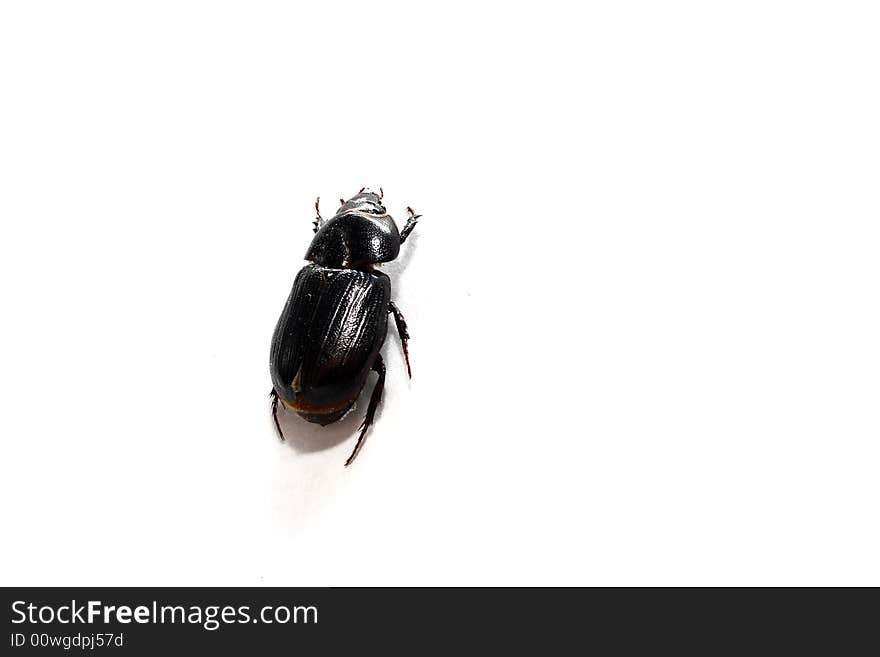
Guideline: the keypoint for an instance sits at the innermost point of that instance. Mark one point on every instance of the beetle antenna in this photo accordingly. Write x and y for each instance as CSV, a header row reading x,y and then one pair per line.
x,y
342,201
381,193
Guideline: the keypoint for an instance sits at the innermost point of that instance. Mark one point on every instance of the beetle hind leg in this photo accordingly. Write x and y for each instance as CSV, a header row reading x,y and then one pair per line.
x,y
274,396
375,398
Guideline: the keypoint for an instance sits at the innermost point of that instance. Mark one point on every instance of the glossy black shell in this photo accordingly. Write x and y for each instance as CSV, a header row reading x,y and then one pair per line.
x,y
327,339
361,233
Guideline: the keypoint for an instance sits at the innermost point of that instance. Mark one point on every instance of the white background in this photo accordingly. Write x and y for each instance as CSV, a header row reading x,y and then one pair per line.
x,y
643,296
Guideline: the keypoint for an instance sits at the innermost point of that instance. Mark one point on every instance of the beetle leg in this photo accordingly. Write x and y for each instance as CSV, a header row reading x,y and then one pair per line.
x,y
274,396
402,332
375,398
410,224
318,218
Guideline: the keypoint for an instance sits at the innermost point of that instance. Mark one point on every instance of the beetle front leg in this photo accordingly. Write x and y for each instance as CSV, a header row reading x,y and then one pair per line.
x,y
375,398
319,220
410,224
402,332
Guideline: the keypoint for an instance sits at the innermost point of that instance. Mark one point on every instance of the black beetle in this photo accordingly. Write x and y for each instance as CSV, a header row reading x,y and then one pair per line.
x,y
334,322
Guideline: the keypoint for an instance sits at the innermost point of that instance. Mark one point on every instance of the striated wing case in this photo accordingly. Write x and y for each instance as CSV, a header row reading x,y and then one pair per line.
x,y
328,335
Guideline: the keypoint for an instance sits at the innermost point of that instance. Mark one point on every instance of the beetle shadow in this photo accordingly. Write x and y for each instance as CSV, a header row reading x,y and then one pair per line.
x,y
306,437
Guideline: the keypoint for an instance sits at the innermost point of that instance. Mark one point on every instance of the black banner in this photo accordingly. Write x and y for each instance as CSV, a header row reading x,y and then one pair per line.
x,y
179,620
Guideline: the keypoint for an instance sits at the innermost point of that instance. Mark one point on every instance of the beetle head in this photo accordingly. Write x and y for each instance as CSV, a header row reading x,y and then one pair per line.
x,y
364,201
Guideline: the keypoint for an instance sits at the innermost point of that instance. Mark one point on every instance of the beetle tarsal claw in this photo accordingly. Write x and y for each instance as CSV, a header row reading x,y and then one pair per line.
x,y
406,357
